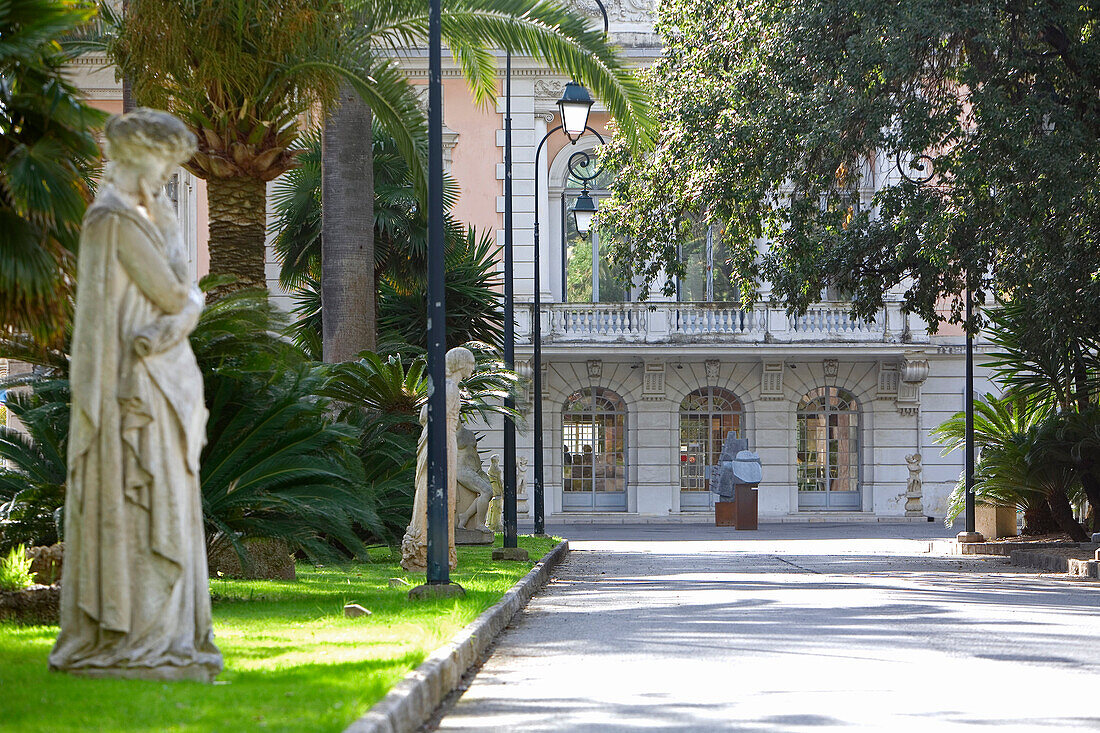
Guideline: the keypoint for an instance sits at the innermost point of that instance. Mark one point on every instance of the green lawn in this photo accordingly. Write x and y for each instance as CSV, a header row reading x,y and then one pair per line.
x,y
292,661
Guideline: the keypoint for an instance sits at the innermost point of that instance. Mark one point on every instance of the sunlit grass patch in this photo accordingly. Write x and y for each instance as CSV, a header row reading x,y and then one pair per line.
x,y
293,662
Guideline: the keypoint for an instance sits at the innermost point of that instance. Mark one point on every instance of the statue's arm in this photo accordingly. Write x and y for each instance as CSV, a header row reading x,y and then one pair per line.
x,y
150,270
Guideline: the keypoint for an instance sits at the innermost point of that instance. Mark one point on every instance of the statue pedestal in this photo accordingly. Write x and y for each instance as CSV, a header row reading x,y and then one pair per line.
x,y
465,536
724,513
745,503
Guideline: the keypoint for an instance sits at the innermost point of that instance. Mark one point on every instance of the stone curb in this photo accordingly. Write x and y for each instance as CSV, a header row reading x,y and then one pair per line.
x,y
1055,563
413,700
950,547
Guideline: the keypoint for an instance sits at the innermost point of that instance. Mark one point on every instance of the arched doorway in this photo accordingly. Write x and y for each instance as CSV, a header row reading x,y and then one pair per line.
x,y
594,447
828,450
707,416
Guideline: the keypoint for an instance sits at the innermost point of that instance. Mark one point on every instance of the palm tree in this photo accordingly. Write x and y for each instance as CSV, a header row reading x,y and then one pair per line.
x,y
47,150
542,29
244,75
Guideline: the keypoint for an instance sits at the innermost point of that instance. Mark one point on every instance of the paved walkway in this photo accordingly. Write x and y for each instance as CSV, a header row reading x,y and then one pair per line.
x,y
786,629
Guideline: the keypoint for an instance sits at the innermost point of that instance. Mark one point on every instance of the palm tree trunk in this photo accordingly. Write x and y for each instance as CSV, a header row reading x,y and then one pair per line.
x,y
350,322
238,218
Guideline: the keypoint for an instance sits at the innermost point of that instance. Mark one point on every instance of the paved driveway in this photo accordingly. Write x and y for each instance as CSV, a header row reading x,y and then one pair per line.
x,y
794,627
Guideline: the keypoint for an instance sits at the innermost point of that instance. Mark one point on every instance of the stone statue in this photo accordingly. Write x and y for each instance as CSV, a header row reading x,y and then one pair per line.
x,y
474,493
494,518
521,486
913,494
135,601
414,546
736,465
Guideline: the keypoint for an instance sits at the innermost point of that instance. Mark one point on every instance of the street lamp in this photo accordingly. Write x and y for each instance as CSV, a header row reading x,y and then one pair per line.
x,y
919,170
573,107
584,219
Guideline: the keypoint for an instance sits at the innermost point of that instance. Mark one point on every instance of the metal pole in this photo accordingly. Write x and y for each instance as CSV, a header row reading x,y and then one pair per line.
x,y
438,546
510,520
536,343
969,480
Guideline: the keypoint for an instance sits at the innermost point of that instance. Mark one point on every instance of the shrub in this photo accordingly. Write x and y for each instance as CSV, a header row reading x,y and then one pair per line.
x,y
15,570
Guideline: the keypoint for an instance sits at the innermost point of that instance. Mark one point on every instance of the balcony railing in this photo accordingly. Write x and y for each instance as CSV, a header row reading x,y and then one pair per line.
x,y
719,322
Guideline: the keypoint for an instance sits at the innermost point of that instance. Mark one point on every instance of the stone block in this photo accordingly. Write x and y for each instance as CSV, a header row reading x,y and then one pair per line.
x,y
995,521
511,554
354,610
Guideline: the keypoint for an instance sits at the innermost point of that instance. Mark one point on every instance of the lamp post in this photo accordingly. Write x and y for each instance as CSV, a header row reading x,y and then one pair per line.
x,y
573,101
438,563
919,170
511,540
970,532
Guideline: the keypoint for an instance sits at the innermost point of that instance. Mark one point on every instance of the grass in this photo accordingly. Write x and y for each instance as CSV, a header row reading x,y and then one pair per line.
x,y
292,661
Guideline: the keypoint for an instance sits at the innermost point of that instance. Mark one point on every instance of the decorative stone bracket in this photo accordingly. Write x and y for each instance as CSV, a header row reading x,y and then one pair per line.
x,y
913,374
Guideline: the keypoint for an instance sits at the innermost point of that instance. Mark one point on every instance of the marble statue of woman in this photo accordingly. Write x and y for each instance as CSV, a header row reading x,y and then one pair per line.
x,y
135,601
494,517
414,546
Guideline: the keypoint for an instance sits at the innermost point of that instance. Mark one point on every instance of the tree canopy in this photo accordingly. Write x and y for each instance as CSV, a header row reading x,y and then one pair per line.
x,y
774,118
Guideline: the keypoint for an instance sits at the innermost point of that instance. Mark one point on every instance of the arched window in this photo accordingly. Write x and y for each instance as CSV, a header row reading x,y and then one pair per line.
x,y
594,450
828,450
707,416
583,256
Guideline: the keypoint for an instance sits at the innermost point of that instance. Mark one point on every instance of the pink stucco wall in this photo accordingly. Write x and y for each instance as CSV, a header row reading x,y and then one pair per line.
x,y
475,156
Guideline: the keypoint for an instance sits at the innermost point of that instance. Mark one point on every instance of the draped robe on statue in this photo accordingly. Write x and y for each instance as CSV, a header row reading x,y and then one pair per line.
x,y
414,545
135,597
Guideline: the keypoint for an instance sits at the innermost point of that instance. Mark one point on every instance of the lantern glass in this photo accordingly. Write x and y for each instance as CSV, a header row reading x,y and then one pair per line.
x,y
574,106
584,211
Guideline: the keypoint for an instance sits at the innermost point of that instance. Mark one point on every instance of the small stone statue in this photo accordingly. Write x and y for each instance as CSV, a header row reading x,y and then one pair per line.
x,y
474,493
521,486
135,601
414,545
494,518
913,490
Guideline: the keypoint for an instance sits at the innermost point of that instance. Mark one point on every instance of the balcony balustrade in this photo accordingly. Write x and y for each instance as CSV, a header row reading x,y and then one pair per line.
x,y
663,322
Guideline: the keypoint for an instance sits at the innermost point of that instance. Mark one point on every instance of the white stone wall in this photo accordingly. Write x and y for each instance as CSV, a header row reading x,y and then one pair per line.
x,y
889,430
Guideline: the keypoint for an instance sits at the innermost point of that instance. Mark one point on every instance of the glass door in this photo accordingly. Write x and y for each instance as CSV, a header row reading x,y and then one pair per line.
x,y
594,451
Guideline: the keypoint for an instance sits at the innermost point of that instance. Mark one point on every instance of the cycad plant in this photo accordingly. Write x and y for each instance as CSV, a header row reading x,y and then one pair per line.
x,y
383,396
47,150
276,463
1010,470
32,461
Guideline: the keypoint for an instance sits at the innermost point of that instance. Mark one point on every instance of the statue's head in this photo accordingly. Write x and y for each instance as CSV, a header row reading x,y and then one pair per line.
x,y
522,461
150,142
460,363
465,439
494,460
